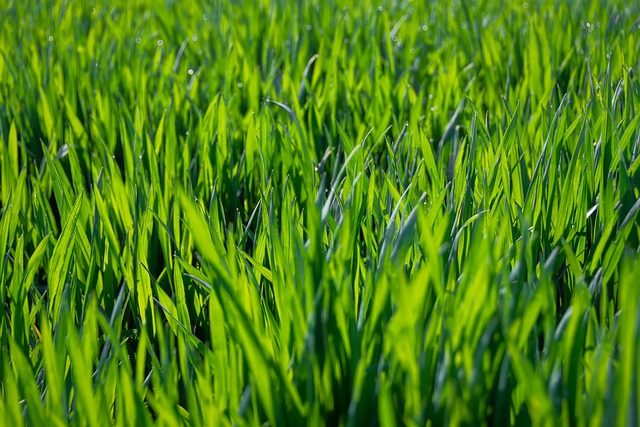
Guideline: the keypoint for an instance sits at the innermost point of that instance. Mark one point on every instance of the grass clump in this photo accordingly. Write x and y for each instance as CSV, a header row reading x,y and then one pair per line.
x,y
322,212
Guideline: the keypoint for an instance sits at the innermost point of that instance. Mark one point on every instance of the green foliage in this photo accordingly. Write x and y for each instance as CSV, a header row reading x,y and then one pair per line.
x,y
320,212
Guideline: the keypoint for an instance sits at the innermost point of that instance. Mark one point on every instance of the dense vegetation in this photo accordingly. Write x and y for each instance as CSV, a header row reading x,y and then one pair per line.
x,y
322,212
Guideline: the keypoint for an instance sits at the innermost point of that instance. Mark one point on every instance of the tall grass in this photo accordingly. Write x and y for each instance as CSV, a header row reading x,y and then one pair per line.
x,y
319,212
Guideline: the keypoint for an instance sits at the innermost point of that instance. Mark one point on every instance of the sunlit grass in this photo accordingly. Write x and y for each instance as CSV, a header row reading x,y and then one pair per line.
x,y
320,212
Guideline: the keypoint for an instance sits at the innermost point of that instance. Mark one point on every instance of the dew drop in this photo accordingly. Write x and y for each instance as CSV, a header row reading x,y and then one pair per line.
x,y
190,72
160,42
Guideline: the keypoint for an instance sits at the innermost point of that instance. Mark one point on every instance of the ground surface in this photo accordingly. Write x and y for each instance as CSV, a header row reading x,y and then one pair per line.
x,y
330,212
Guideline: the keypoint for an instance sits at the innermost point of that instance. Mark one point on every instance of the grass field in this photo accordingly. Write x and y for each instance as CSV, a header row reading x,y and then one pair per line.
x,y
319,212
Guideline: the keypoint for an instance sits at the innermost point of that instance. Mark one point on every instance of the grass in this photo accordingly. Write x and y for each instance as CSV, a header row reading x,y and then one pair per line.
x,y
319,212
